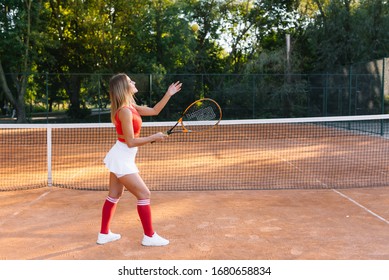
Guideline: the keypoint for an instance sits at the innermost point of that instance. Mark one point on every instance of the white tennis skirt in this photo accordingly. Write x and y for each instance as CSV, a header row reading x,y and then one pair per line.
x,y
121,159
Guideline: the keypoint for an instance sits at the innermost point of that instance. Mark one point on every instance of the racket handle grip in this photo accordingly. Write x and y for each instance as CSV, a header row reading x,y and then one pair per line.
x,y
167,133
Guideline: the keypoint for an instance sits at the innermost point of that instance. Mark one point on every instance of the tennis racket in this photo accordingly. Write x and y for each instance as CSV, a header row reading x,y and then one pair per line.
x,y
202,115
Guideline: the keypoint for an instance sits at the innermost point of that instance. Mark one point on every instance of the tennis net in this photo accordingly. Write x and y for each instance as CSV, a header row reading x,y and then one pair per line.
x,y
329,152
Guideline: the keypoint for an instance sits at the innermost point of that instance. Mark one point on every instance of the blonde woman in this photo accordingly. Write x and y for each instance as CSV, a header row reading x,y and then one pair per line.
x,y
120,160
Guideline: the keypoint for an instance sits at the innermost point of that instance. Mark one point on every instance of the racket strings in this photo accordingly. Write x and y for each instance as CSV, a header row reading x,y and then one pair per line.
x,y
202,111
202,114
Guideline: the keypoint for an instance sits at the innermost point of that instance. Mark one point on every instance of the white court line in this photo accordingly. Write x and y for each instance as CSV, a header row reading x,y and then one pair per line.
x,y
341,194
25,206
361,206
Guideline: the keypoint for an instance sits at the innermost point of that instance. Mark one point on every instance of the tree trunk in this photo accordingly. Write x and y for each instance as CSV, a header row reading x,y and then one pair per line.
x,y
18,102
4,86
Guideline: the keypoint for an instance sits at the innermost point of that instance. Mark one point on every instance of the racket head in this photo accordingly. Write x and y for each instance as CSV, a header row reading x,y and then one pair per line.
x,y
201,115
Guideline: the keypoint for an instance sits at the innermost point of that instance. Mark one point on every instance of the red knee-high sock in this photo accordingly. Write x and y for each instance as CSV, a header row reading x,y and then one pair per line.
x,y
144,212
108,211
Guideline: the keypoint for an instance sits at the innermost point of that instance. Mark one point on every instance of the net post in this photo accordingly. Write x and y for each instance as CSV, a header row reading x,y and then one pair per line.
x,y
49,150
383,95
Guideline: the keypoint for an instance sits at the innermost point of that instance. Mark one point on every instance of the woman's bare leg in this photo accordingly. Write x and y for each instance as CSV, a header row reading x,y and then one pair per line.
x,y
135,184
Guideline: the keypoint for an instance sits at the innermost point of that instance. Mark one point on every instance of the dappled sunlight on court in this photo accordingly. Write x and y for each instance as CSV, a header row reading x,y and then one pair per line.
x,y
62,224
252,154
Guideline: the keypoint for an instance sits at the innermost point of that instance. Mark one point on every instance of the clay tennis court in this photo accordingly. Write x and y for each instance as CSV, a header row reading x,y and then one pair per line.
x,y
235,199
62,224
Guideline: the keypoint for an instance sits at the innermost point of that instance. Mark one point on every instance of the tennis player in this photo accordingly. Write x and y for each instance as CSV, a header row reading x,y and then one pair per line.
x,y
120,160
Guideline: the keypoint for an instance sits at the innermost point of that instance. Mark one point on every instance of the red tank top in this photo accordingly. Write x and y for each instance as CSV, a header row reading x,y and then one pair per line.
x,y
136,123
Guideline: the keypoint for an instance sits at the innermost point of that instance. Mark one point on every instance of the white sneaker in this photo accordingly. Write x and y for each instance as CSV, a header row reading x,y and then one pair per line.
x,y
109,237
155,240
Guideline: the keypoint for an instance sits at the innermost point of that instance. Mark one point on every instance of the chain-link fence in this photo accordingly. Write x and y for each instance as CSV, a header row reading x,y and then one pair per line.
x,y
361,89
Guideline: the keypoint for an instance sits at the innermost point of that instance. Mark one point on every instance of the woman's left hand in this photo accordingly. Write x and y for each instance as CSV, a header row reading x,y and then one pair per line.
x,y
174,88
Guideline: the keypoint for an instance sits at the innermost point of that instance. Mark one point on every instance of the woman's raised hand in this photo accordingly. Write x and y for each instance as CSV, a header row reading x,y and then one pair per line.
x,y
174,88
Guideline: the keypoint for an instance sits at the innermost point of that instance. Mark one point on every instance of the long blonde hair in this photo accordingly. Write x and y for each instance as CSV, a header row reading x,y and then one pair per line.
x,y
120,93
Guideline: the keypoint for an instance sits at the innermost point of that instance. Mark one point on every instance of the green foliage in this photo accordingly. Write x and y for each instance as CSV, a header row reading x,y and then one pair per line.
x,y
347,32
98,38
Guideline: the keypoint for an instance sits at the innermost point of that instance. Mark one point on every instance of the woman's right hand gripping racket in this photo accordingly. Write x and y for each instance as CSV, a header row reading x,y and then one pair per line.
x,y
202,115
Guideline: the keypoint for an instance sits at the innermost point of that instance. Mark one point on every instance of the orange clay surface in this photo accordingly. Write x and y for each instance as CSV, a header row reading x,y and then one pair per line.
x,y
62,224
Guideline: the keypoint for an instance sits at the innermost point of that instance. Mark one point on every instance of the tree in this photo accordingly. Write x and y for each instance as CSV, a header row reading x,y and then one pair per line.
x,y
17,21
372,25
347,32
69,46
